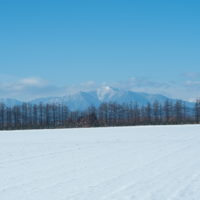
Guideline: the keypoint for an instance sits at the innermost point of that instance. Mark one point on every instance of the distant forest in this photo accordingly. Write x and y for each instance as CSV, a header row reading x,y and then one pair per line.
x,y
42,116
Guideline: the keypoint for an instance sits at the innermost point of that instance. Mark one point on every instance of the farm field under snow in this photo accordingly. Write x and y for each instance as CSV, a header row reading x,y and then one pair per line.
x,y
126,163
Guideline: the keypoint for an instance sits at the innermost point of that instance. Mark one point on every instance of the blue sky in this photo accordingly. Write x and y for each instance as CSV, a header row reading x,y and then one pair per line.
x,y
59,44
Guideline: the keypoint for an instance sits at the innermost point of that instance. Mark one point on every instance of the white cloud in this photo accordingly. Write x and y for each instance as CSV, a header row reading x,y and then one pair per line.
x,y
192,83
32,82
22,84
29,88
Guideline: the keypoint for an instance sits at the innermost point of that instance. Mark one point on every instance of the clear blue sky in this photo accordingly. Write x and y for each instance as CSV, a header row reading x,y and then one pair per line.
x,y
69,42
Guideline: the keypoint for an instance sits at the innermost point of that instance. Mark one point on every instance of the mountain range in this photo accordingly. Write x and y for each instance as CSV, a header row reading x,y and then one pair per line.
x,y
82,100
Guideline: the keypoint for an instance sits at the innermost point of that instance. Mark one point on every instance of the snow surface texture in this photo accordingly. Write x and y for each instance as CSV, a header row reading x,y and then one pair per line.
x,y
154,163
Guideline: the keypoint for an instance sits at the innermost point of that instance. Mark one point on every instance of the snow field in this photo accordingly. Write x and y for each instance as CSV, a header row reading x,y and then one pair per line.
x,y
125,163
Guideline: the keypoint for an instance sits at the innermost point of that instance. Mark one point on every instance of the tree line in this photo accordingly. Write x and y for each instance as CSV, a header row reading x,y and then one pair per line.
x,y
40,116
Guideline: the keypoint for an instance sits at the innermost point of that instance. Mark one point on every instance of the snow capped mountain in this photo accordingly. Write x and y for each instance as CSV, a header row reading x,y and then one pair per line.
x,y
10,102
106,93
82,100
77,101
109,94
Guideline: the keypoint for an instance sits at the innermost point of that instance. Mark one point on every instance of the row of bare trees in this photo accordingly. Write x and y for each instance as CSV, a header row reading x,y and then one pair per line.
x,y
28,116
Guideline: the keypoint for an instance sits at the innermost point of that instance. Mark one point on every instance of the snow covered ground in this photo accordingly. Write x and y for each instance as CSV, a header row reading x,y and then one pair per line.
x,y
154,163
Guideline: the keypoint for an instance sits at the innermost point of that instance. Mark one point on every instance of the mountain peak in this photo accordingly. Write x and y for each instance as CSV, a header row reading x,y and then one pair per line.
x,y
107,88
106,92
